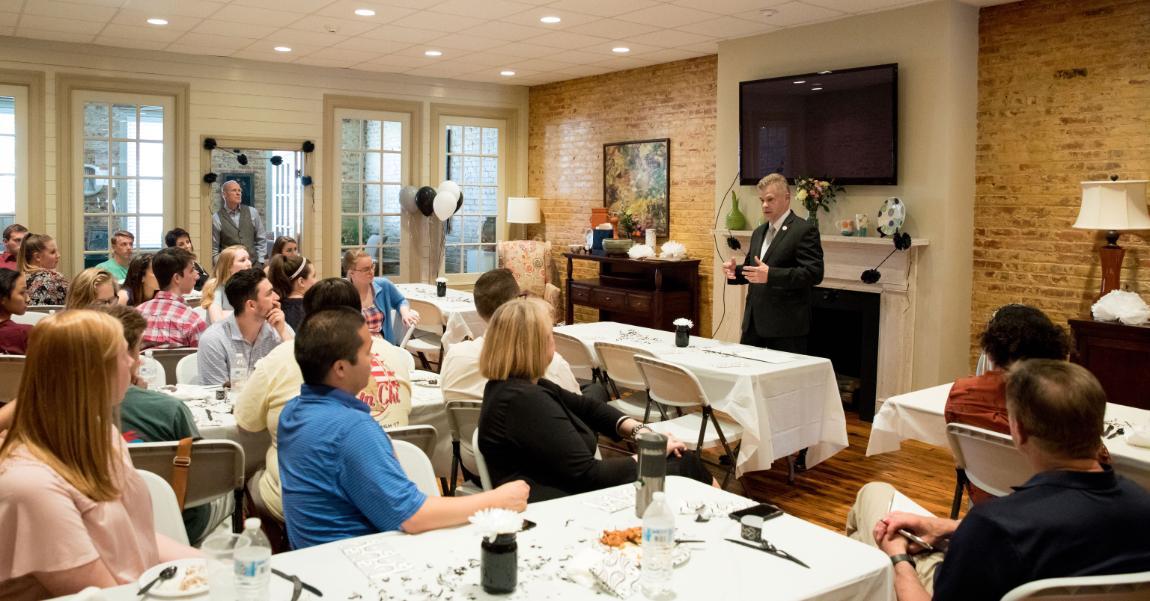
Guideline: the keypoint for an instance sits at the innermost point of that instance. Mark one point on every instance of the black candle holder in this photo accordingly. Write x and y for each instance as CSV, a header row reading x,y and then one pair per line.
x,y
499,564
682,336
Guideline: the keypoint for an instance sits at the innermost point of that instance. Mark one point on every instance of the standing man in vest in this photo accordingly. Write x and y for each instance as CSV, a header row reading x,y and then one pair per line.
x,y
237,224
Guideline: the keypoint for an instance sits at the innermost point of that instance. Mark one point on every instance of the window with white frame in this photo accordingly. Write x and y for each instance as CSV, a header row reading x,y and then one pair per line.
x,y
125,165
13,155
473,157
374,165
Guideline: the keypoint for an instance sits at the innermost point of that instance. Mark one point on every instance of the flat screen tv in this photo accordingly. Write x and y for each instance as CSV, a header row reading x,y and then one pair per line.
x,y
839,124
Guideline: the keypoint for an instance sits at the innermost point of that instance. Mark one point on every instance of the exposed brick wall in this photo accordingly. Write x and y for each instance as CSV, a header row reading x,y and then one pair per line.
x,y
1064,97
571,120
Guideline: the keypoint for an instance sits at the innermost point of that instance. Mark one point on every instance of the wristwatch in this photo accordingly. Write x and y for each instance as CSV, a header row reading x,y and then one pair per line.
x,y
895,559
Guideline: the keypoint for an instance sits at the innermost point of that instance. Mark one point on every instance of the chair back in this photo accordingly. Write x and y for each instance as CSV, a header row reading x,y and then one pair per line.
x,y
577,355
417,466
527,260
217,467
619,362
431,318
480,462
423,437
170,359
988,458
29,318
1113,587
45,308
166,515
188,369
11,371
669,384
463,419
160,375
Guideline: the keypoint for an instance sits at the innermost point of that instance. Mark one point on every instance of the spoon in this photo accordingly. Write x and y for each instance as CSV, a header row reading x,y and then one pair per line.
x,y
165,574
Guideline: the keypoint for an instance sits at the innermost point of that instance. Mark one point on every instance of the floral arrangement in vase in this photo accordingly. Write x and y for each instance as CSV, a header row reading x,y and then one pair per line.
x,y
815,194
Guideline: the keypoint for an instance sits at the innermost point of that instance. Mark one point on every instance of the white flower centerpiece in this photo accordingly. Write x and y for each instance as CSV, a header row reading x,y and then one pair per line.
x,y
673,251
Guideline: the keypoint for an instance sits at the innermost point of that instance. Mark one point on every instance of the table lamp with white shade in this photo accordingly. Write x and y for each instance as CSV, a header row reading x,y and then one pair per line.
x,y
523,209
1113,206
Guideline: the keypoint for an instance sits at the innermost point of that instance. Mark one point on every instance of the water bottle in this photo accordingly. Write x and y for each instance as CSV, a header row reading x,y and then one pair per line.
x,y
253,564
148,371
238,373
658,546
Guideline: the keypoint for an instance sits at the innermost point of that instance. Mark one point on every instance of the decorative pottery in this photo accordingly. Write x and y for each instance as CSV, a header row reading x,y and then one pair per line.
x,y
891,216
735,219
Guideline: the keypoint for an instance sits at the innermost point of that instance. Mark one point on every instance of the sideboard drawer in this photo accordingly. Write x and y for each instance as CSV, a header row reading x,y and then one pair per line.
x,y
606,298
639,303
580,294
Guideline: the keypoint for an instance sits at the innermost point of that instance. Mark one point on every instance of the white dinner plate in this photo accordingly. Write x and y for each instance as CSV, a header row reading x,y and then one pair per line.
x,y
191,579
891,216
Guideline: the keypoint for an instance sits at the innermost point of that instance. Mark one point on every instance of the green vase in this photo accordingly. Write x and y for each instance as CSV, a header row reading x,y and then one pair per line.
x,y
813,217
735,219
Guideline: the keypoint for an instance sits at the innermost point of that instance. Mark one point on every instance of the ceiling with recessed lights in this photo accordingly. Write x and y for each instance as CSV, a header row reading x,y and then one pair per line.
x,y
524,42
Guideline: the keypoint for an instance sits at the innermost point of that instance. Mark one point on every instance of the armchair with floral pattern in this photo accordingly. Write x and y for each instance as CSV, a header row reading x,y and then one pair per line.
x,y
530,262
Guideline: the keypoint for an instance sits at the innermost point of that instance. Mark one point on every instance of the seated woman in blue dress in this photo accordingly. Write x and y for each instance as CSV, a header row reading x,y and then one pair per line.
x,y
534,430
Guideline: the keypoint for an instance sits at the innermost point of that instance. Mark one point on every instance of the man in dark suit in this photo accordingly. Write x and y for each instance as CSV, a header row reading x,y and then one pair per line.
x,y
783,264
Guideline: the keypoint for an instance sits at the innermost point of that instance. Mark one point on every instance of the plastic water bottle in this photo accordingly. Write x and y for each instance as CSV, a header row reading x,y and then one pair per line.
x,y
148,370
253,564
238,373
658,547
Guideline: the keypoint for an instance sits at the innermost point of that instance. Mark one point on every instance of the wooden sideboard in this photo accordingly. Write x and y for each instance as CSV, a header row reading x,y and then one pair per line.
x,y
648,292
1118,355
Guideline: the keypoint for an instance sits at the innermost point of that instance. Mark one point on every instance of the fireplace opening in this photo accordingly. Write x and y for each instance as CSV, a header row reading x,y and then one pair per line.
x,y
844,329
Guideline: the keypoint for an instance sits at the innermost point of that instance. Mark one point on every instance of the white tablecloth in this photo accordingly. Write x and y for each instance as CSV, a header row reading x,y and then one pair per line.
x,y
567,531
784,402
428,409
458,308
919,416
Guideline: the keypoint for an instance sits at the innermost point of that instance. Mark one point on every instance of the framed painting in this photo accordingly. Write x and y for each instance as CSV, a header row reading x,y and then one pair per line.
x,y
637,184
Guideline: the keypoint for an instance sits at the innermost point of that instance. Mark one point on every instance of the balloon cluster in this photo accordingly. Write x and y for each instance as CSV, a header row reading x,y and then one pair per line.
x,y
443,202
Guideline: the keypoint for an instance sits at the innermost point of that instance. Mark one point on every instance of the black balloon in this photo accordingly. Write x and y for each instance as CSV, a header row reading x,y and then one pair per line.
x,y
459,205
425,200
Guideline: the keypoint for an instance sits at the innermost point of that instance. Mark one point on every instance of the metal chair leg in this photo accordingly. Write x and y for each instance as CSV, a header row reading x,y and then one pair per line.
x,y
790,469
960,484
456,455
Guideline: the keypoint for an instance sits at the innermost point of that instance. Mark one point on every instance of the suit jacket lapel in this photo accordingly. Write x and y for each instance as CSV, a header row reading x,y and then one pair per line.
x,y
779,235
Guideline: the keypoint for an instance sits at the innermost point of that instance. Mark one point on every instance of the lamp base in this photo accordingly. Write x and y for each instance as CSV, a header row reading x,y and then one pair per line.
x,y
1111,256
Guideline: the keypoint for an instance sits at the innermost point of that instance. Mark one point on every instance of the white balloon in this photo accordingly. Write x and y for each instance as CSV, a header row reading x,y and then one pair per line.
x,y
446,199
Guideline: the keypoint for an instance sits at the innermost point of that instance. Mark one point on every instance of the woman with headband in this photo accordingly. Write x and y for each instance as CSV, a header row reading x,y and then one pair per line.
x,y
291,277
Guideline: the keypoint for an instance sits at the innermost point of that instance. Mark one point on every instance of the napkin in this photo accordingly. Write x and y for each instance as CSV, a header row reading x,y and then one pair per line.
x,y
617,572
1139,437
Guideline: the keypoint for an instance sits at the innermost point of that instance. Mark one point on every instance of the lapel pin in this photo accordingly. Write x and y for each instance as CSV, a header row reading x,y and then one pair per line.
x,y
784,228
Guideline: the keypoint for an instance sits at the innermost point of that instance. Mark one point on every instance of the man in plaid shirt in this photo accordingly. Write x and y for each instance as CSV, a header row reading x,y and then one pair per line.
x,y
171,322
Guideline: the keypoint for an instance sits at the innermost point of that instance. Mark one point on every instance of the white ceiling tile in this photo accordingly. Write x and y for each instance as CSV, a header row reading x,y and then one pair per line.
x,y
614,28
384,13
168,8
137,18
668,55
584,71
492,59
150,34
418,50
256,16
401,34
861,6
347,55
606,49
794,13
729,27
602,8
415,4
222,44
328,63
540,64
319,39
9,19
343,27
111,3
229,28
438,22
69,10
198,49
397,61
441,70
268,45
704,48
378,47
669,38
622,62
526,50
666,16
58,24
267,56
130,42
531,18
571,41
57,36
461,41
297,6
579,57
482,9
731,7
504,31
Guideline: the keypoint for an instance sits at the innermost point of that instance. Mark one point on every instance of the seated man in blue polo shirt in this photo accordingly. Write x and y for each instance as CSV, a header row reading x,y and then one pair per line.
x,y
339,472
1074,517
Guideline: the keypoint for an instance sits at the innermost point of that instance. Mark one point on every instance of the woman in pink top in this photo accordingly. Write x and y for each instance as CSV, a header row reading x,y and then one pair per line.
x,y
73,511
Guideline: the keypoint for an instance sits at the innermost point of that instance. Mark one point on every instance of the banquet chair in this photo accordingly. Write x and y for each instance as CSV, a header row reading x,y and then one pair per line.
x,y
165,511
425,340
1111,587
423,437
188,370
530,262
580,359
671,385
272,526
617,363
216,468
45,308
29,318
11,370
480,462
417,466
987,460
463,419
170,359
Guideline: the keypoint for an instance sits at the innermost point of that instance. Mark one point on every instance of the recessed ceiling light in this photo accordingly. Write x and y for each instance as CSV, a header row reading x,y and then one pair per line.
x,y
550,20
823,72
815,89
365,12
157,21
283,48
433,53
507,73
620,50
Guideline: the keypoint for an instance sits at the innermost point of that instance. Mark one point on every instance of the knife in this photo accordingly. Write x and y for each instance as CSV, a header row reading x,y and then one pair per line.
x,y
769,548
295,579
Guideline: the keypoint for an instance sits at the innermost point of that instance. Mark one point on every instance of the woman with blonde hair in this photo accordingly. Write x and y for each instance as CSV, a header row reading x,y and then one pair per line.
x,y
378,297
140,284
92,286
532,429
37,260
231,260
74,513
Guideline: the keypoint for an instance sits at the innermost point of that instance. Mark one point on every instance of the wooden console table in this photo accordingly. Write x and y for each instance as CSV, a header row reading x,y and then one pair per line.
x,y
649,292
1118,355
